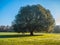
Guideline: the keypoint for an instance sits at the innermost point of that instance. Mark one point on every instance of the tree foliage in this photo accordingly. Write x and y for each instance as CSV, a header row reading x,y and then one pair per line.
x,y
33,18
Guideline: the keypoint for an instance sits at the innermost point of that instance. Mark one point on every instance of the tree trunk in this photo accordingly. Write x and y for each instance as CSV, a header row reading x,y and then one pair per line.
x,y
31,33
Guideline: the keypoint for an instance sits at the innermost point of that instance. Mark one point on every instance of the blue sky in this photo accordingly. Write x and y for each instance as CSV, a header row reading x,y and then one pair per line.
x,y
9,9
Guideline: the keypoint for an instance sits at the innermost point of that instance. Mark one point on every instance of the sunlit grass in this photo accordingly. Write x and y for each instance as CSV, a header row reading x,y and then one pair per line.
x,y
38,39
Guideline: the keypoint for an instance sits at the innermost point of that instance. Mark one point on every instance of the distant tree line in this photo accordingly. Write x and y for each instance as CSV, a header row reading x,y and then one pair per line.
x,y
6,28
56,29
10,29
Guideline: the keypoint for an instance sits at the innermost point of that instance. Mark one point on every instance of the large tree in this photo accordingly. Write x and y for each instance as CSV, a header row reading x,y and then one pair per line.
x,y
33,18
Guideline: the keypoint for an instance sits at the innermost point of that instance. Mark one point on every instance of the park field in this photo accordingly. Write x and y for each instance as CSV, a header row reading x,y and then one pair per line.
x,y
7,38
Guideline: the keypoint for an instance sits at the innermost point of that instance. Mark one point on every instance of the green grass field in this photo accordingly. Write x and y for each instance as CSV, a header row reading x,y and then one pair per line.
x,y
37,39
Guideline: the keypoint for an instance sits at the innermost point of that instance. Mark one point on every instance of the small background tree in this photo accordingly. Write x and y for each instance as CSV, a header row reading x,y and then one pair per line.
x,y
33,18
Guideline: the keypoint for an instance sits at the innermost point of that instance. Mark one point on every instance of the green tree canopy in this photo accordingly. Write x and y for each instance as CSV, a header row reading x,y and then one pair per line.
x,y
33,18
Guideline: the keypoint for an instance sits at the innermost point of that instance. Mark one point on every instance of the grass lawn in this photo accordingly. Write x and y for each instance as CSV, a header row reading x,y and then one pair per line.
x,y
37,39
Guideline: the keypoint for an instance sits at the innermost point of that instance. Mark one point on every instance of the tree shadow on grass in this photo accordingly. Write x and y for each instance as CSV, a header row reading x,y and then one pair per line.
x,y
14,36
